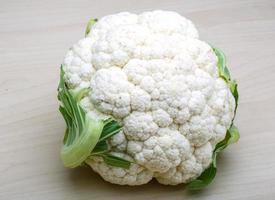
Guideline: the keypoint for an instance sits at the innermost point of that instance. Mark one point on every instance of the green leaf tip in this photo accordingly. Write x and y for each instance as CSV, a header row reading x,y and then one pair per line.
x,y
204,179
232,134
222,68
115,161
89,25
84,136
225,74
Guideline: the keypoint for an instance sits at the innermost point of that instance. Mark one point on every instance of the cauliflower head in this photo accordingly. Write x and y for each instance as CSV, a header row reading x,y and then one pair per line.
x,y
166,89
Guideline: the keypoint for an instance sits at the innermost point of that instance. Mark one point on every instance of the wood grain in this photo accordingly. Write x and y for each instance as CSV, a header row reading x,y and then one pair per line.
x,y
34,36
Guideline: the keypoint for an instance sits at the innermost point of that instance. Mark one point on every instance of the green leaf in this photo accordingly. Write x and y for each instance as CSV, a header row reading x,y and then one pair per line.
x,y
89,25
232,134
84,136
82,133
115,161
111,128
234,90
78,94
225,74
204,179
223,70
101,147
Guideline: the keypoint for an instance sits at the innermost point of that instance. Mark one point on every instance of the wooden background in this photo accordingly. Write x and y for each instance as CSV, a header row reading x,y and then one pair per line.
x,y
34,36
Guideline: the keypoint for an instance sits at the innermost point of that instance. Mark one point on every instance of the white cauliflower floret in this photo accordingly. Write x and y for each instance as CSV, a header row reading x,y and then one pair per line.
x,y
186,171
118,142
111,92
152,74
77,64
162,118
203,154
140,100
139,126
135,175
110,21
161,152
168,22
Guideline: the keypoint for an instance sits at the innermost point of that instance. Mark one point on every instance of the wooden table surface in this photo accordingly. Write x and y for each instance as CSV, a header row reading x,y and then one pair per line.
x,y
34,36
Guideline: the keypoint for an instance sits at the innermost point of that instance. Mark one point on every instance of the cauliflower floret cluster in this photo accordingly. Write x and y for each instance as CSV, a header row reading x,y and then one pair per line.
x,y
152,74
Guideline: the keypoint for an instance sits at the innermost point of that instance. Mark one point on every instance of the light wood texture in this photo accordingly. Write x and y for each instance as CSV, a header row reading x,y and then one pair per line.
x,y
34,36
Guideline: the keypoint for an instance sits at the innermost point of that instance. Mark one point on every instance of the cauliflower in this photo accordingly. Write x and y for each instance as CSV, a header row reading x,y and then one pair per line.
x,y
144,98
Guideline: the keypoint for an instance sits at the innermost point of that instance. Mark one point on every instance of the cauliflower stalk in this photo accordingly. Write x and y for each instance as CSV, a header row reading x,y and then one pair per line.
x,y
144,98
